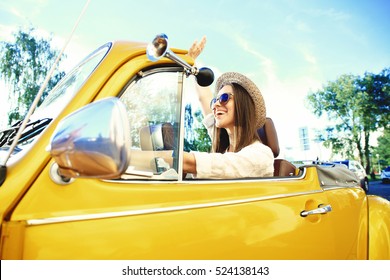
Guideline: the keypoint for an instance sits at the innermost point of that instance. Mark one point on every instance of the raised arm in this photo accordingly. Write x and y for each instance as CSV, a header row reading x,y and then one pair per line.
x,y
204,93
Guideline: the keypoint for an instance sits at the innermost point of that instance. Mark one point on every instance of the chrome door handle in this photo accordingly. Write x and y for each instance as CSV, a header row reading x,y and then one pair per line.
x,y
322,209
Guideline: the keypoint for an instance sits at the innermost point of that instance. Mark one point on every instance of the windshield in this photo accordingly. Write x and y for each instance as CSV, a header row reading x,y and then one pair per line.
x,y
59,97
53,105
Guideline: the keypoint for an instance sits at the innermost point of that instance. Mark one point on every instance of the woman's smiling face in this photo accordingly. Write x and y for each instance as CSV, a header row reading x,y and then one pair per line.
x,y
224,114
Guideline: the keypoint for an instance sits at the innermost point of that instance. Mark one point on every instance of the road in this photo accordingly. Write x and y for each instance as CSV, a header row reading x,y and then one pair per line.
x,y
377,188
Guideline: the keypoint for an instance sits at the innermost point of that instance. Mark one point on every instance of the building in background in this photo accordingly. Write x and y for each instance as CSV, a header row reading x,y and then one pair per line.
x,y
306,144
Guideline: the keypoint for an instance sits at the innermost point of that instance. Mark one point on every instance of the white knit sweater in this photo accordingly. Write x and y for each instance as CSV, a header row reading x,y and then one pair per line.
x,y
254,160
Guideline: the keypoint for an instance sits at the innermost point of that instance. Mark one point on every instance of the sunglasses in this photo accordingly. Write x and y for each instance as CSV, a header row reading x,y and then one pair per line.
x,y
223,99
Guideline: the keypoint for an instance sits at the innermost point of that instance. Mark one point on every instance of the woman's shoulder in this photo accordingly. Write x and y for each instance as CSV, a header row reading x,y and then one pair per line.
x,y
257,145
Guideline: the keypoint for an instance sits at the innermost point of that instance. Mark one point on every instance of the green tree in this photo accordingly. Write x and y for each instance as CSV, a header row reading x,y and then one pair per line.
x,y
375,90
358,106
24,65
196,136
383,149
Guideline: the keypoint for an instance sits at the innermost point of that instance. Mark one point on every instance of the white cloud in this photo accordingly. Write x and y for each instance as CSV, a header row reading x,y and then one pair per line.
x,y
267,65
298,24
6,32
24,10
332,14
307,54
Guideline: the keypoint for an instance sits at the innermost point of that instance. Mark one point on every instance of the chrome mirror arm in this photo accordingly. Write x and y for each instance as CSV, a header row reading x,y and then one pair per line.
x,y
158,49
190,70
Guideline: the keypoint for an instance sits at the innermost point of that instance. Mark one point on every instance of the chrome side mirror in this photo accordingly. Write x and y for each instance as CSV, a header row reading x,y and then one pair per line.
x,y
93,142
159,48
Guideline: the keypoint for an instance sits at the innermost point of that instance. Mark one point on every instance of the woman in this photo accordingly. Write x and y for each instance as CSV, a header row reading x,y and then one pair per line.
x,y
232,119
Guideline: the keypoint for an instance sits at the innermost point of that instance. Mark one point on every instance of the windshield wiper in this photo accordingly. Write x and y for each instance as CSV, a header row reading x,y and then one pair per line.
x,y
31,130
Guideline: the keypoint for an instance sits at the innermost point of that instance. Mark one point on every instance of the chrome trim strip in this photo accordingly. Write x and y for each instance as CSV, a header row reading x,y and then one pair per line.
x,y
198,181
45,221
207,181
339,187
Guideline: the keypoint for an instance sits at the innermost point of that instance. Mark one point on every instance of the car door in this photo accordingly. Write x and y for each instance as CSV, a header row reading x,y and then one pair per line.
x,y
152,213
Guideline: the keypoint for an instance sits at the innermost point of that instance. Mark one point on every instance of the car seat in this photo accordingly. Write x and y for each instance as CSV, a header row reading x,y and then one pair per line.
x,y
157,137
269,137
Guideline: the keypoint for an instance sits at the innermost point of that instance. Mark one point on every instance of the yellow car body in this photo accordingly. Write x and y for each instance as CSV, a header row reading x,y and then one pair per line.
x,y
143,217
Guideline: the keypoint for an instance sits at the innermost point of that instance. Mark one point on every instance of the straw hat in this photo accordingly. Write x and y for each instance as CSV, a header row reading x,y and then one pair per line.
x,y
251,88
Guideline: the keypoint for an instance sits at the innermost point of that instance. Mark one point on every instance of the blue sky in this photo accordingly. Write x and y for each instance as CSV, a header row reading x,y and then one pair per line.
x,y
288,47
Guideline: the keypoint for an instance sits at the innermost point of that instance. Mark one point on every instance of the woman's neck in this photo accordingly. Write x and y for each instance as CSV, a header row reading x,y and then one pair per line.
x,y
232,140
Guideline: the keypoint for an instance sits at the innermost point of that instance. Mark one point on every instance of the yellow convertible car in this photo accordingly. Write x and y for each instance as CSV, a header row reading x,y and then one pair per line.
x,y
86,178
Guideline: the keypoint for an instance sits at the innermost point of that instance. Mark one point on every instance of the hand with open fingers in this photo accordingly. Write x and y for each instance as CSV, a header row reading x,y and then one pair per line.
x,y
197,47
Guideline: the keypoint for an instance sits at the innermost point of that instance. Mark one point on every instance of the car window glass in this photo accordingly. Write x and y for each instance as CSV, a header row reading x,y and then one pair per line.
x,y
153,108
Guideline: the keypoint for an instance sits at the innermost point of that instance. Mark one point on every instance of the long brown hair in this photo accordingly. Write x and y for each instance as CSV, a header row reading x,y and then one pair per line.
x,y
245,131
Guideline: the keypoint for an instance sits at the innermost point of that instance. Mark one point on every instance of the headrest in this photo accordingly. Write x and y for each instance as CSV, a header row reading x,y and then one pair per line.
x,y
269,137
157,137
